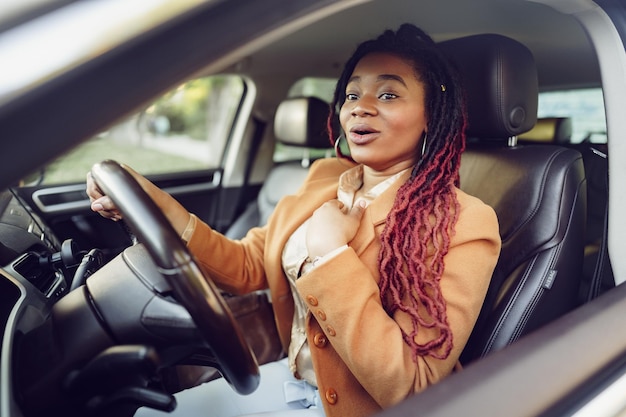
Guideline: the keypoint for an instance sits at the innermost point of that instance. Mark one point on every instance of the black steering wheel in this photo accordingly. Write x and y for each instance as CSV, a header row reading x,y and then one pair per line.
x,y
191,288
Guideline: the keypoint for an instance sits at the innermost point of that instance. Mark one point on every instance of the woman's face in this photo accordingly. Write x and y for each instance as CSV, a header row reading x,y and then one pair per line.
x,y
384,116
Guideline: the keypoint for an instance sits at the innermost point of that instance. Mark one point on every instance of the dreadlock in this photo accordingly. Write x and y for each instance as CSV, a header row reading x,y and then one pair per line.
x,y
419,226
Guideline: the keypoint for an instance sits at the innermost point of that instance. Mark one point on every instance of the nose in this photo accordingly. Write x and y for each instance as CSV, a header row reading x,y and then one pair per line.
x,y
364,106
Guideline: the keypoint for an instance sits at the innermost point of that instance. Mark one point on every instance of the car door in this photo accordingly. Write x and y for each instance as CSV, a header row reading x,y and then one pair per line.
x,y
179,141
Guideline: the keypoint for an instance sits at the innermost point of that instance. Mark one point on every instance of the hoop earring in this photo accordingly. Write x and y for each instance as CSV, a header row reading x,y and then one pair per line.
x,y
337,142
424,144
341,157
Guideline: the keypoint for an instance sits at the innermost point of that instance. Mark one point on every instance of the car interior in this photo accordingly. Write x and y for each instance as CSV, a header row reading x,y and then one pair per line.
x,y
96,320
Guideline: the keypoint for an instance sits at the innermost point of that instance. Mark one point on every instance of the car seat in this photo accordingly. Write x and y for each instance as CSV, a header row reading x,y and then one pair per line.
x,y
597,272
299,122
537,191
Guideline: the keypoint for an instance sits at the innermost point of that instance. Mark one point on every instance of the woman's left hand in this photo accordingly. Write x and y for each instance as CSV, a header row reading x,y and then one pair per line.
x,y
332,226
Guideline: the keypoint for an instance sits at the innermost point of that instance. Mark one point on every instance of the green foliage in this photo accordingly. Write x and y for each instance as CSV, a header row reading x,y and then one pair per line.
x,y
186,107
73,166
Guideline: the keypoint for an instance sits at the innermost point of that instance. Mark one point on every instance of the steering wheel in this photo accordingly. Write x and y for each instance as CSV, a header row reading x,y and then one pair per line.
x,y
191,288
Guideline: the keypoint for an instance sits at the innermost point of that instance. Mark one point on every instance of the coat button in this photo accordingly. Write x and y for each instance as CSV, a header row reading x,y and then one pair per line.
x,y
331,396
321,315
330,330
311,300
320,340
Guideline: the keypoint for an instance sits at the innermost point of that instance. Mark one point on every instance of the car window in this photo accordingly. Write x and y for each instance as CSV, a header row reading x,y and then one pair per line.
x,y
185,130
584,106
322,88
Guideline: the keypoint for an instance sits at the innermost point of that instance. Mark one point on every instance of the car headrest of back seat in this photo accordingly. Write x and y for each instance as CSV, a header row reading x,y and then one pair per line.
x,y
500,79
301,121
298,121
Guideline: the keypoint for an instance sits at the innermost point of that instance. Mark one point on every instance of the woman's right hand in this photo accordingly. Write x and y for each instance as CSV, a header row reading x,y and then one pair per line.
x,y
103,205
100,203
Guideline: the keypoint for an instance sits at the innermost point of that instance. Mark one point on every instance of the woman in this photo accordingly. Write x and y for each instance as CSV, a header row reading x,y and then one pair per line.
x,y
378,266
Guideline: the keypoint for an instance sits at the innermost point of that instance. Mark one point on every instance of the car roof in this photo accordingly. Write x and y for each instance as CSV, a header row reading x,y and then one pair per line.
x,y
142,40
318,45
563,52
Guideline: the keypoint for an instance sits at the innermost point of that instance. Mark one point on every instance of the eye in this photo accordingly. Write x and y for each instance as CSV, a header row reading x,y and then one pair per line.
x,y
387,96
351,97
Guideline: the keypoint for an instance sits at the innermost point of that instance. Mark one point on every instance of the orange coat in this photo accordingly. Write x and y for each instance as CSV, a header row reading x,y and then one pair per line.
x,y
360,360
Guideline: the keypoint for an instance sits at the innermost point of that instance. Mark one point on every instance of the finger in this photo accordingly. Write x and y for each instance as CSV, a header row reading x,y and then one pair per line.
x,y
333,205
338,204
106,208
106,213
103,203
110,214
358,209
93,191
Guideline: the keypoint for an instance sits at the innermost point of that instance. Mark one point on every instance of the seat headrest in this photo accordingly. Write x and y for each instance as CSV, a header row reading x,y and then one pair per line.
x,y
550,130
301,121
500,79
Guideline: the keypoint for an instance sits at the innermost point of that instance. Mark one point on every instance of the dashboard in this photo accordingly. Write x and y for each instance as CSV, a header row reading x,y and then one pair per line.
x,y
30,253
36,272
60,333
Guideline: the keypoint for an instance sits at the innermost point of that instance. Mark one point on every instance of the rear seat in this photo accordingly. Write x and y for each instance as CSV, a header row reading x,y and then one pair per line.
x,y
597,272
301,122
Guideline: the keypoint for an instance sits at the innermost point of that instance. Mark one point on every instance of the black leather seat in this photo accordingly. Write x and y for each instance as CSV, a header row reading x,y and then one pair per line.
x,y
299,122
537,191
597,271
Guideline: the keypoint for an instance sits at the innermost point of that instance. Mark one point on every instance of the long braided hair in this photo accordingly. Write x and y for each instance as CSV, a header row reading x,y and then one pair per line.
x,y
421,222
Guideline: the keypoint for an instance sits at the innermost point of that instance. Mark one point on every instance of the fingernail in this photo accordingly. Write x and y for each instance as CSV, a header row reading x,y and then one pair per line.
x,y
97,207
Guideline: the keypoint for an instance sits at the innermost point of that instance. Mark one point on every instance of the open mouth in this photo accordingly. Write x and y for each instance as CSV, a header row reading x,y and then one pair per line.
x,y
362,130
362,134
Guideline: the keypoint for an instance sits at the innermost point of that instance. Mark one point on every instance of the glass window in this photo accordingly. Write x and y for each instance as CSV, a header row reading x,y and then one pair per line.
x,y
584,106
187,129
322,88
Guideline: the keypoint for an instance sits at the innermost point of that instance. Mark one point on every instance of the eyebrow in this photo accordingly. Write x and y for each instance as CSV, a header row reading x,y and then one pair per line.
x,y
381,77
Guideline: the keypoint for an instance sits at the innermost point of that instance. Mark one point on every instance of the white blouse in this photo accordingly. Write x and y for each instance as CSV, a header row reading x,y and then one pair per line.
x,y
296,262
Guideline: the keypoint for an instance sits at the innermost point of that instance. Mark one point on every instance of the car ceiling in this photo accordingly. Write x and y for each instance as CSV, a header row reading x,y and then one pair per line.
x,y
318,49
562,50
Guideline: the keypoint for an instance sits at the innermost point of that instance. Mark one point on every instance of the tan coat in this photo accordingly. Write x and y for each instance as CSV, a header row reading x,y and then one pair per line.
x,y
361,362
